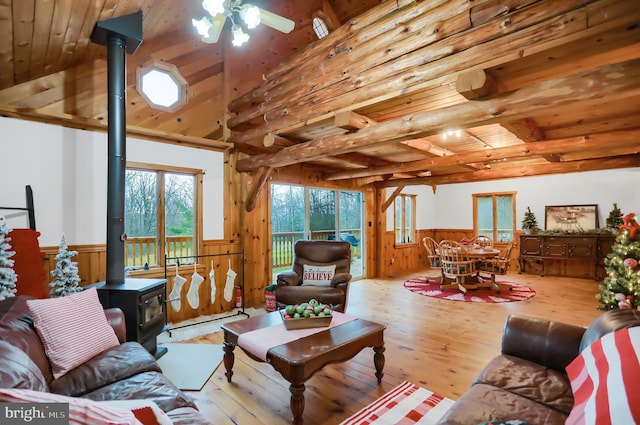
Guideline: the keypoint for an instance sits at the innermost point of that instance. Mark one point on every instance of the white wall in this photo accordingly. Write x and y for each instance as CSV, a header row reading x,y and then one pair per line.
x,y
67,170
452,205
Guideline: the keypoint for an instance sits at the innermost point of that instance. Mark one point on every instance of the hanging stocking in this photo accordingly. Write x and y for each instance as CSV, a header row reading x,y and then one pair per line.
x,y
174,296
228,285
193,296
213,284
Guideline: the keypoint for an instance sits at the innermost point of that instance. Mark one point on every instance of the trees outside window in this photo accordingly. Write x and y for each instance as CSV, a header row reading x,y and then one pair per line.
x,y
299,212
494,215
405,223
161,210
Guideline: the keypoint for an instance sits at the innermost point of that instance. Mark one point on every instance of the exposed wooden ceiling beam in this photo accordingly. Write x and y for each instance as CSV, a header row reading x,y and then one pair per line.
x,y
259,180
521,171
573,144
73,121
528,131
352,121
551,26
389,201
618,81
476,84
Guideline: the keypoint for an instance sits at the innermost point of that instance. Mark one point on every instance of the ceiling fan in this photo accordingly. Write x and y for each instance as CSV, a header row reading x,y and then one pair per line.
x,y
210,27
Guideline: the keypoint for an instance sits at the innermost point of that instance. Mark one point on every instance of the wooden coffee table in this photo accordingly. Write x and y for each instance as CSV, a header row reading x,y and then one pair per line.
x,y
298,360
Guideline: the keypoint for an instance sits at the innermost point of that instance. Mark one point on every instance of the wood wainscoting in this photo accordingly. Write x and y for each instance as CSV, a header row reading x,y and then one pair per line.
x,y
91,261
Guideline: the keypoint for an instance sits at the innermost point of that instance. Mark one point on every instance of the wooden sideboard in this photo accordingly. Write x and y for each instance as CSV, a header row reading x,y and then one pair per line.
x,y
591,249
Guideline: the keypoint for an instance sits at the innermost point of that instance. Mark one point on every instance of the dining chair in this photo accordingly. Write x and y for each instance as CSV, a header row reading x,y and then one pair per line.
x,y
482,241
433,255
497,265
458,269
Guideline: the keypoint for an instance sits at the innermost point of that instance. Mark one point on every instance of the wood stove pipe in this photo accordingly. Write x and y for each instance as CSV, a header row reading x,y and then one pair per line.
x,y
121,35
117,159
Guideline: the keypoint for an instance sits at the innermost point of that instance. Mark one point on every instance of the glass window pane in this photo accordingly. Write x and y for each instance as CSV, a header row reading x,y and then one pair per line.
x,y
179,191
140,212
287,223
408,236
322,213
485,216
350,228
505,218
399,229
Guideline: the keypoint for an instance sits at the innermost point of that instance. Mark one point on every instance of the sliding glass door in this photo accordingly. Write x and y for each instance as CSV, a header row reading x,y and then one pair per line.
x,y
299,212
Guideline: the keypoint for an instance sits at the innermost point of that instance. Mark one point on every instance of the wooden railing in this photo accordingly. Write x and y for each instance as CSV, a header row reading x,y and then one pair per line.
x,y
282,244
141,250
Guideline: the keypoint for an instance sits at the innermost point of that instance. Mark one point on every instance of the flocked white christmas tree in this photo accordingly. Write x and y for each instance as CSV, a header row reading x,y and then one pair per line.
x,y
8,276
67,279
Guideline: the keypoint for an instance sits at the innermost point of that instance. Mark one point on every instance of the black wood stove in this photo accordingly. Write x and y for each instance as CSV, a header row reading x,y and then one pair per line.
x,y
144,307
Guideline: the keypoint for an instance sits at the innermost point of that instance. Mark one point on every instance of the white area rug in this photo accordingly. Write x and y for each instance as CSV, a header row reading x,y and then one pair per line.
x,y
189,366
405,404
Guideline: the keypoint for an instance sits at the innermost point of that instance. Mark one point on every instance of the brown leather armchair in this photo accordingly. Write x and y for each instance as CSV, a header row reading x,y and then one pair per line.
x,y
316,253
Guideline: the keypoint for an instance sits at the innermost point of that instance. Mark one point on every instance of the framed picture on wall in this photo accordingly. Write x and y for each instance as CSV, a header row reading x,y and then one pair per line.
x,y
570,217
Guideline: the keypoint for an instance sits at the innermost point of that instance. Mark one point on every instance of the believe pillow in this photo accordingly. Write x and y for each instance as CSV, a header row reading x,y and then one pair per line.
x,y
318,275
604,380
72,329
83,411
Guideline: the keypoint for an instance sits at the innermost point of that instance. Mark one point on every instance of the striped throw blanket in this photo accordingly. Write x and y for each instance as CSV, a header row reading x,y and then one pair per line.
x,y
407,404
604,380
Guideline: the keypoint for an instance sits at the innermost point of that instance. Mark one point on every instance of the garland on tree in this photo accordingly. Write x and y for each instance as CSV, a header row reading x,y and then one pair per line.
x,y
621,287
8,276
66,282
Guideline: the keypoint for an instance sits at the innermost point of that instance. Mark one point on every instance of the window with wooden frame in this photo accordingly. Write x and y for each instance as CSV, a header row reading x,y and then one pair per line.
x,y
494,215
163,213
405,219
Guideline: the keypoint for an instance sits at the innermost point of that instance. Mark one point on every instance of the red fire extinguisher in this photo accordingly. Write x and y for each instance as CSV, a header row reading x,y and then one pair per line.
x,y
238,297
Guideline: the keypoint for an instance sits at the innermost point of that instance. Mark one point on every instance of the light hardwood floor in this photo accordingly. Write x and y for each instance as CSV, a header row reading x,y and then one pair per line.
x,y
437,344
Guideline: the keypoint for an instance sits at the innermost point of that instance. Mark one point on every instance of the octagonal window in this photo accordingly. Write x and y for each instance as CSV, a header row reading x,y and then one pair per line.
x,y
162,86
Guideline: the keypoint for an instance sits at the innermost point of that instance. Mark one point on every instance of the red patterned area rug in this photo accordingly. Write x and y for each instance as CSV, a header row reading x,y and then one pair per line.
x,y
431,288
406,404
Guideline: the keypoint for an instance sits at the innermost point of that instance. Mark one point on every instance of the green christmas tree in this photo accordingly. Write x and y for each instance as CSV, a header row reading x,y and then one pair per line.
x,y
615,218
529,220
66,282
621,287
8,276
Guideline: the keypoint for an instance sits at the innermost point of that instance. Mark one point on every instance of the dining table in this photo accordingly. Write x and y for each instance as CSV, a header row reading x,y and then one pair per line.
x,y
480,253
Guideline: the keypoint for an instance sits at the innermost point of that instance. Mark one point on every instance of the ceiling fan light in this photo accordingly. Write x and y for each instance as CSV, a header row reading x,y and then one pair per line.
x,y
202,26
214,7
239,36
250,14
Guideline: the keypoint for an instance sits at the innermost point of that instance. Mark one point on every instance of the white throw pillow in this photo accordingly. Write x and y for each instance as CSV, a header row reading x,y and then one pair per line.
x,y
318,275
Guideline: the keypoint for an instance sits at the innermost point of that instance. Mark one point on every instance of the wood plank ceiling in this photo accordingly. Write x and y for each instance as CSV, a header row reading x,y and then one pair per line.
x,y
524,87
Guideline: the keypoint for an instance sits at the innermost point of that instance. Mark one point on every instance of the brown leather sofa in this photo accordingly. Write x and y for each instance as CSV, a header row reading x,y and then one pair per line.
x,y
316,253
124,372
527,381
